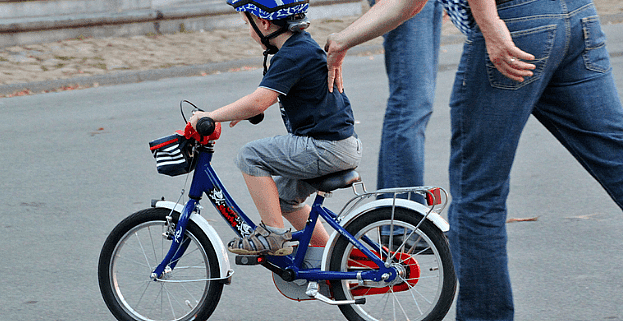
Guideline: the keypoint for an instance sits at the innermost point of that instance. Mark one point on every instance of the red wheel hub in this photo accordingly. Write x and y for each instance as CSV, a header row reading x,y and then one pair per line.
x,y
411,268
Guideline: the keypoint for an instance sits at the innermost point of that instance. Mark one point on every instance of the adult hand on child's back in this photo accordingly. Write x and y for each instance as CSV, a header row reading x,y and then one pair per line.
x,y
335,57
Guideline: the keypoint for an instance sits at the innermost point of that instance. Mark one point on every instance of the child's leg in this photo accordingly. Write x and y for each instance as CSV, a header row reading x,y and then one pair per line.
x,y
266,198
298,219
270,237
289,159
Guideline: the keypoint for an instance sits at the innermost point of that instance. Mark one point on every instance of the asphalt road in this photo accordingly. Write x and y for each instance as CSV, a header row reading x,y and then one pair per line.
x,y
75,163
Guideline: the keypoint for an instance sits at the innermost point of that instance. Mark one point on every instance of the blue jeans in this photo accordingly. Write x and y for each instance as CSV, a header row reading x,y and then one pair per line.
x,y
572,93
411,59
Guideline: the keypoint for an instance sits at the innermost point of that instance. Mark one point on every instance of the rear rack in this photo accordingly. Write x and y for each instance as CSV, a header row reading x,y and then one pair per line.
x,y
436,197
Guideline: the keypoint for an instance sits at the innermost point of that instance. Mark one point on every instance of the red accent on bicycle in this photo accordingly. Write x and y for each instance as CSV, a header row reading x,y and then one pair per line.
x,y
412,272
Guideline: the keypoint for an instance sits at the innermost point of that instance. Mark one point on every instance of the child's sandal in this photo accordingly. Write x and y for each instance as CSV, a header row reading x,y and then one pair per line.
x,y
262,242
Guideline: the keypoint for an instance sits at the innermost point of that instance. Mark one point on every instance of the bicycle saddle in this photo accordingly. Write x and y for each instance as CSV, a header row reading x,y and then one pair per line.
x,y
333,181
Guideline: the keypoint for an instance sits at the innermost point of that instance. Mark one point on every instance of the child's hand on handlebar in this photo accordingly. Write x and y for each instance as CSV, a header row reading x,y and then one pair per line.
x,y
196,116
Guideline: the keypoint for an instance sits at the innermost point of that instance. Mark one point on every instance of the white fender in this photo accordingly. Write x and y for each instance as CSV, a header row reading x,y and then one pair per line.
x,y
210,232
434,217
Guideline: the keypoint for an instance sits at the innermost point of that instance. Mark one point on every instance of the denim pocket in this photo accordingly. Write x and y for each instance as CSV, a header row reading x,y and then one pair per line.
x,y
538,42
595,54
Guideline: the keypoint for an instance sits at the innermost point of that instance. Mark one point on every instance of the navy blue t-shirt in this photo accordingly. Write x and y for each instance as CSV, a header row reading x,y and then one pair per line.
x,y
298,72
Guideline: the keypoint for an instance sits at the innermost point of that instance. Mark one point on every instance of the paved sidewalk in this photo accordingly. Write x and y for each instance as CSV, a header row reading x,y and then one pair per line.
x,y
88,62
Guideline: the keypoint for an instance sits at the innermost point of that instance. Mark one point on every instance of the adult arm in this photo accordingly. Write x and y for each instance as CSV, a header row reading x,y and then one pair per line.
x,y
383,17
243,108
506,57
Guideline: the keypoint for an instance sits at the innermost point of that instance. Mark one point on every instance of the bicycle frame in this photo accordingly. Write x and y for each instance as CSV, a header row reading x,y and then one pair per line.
x,y
205,180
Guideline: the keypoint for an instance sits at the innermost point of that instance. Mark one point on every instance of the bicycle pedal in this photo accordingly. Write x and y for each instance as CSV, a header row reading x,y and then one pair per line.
x,y
249,259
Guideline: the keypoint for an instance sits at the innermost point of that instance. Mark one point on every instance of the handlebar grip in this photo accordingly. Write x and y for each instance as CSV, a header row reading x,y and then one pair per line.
x,y
256,119
205,126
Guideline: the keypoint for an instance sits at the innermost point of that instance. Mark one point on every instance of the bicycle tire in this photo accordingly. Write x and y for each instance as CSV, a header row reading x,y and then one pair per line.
x,y
427,285
132,251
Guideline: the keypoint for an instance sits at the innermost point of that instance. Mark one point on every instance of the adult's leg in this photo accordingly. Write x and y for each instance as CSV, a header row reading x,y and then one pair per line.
x,y
488,114
581,106
482,152
411,59
591,128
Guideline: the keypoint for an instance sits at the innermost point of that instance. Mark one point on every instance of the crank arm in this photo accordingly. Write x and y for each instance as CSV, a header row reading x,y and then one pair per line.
x,y
312,291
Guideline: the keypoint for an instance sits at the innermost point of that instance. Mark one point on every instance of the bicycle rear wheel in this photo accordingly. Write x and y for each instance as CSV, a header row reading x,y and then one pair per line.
x,y
426,284
132,251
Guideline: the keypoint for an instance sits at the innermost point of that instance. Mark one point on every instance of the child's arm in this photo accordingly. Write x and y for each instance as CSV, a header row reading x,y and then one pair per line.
x,y
243,108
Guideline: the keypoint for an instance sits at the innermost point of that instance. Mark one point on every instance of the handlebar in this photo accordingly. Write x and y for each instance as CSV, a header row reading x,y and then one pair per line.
x,y
256,119
205,126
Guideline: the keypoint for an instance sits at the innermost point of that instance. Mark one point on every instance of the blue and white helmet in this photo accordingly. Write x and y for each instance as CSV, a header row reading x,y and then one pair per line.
x,y
271,9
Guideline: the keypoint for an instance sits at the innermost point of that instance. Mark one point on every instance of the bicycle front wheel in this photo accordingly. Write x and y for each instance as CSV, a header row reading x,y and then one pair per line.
x,y
425,287
132,251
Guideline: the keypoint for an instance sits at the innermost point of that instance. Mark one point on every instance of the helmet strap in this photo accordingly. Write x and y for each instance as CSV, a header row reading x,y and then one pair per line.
x,y
270,48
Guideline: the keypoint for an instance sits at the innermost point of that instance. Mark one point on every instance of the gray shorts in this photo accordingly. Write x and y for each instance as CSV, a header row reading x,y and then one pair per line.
x,y
289,159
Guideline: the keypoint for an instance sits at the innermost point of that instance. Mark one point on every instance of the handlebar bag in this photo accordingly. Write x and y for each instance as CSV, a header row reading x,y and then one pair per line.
x,y
173,155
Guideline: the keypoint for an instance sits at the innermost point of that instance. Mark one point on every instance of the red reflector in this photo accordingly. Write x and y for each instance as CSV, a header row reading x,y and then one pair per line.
x,y
260,259
433,197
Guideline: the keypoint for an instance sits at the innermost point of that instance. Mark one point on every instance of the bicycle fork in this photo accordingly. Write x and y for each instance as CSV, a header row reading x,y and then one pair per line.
x,y
178,244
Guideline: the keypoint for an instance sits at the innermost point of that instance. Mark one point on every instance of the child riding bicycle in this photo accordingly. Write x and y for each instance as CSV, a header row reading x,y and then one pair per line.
x,y
320,124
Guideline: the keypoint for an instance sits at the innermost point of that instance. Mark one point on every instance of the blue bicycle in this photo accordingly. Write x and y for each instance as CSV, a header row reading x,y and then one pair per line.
x,y
168,263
